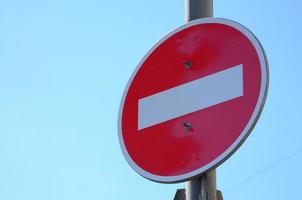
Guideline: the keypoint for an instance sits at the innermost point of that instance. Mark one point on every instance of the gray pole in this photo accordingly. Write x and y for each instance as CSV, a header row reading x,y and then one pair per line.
x,y
195,9
204,186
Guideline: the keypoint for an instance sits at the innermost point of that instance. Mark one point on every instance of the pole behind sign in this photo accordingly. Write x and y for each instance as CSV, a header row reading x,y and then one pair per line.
x,y
203,187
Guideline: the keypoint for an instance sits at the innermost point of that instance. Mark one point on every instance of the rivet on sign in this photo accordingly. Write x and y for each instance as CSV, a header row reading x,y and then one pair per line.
x,y
188,64
187,126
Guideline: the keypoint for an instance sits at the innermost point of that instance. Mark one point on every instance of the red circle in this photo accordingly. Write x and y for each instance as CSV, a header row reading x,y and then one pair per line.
x,y
167,149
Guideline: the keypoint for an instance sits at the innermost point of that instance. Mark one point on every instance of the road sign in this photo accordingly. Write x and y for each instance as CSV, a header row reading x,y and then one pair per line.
x,y
192,100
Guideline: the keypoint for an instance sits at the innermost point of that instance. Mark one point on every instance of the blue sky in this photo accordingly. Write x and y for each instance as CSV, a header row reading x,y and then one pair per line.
x,y
64,66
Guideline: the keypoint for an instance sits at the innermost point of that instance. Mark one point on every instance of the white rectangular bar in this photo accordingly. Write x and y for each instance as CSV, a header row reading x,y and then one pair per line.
x,y
190,97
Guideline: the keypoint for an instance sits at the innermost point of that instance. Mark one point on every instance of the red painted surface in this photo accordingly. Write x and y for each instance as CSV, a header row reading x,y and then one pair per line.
x,y
167,149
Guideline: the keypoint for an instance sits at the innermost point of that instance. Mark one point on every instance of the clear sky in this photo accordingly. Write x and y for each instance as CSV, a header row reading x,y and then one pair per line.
x,y
63,67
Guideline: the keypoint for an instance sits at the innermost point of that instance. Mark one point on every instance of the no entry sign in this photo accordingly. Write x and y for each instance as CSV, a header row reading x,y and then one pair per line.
x,y
192,100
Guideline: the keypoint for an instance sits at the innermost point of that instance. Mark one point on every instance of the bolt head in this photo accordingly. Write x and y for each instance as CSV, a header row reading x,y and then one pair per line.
x,y
188,64
187,126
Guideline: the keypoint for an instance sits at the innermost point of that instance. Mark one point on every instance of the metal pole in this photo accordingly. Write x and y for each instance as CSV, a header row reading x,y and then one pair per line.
x,y
195,9
203,187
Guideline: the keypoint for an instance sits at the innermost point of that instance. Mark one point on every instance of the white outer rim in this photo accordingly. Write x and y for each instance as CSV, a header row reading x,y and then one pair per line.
x,y
250,125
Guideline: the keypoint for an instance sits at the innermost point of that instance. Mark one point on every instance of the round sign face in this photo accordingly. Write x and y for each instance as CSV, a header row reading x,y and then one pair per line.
x,y
192,100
